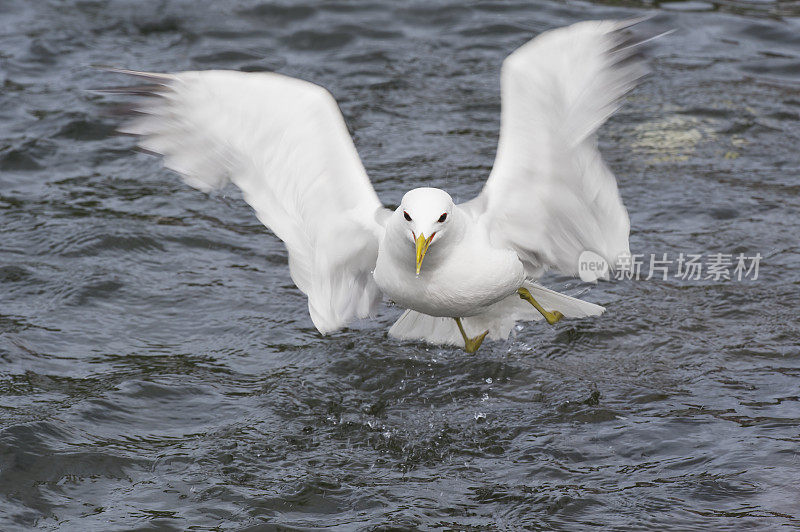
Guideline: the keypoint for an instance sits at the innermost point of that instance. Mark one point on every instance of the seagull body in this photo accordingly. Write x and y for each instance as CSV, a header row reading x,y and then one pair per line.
x,y
463,271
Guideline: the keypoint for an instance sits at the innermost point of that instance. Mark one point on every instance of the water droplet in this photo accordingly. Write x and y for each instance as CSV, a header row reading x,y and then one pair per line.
x,y
488,380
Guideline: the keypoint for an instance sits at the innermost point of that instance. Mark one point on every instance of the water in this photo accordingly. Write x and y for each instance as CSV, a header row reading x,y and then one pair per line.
x,y
160,371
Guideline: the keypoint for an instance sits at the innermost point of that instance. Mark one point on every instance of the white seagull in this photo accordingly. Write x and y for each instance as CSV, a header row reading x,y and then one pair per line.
x,y
464,272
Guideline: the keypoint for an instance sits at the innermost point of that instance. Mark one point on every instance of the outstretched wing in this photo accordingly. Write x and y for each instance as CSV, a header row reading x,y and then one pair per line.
x,y
550,196
284,143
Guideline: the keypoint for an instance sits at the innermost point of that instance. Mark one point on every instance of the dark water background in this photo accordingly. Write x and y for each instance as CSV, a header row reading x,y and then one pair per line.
x,y
158,370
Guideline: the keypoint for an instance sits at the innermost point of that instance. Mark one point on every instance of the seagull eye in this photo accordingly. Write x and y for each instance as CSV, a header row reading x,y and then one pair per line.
x,y
443,217
407,217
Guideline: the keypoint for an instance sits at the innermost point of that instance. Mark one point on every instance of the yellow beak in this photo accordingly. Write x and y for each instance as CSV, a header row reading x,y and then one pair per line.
x,y
422,247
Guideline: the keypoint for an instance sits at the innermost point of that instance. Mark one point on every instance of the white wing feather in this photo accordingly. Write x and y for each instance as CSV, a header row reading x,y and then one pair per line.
x,y
284,143
550,196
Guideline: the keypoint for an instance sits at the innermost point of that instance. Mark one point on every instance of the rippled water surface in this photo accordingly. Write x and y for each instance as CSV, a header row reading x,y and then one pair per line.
x,y
158,369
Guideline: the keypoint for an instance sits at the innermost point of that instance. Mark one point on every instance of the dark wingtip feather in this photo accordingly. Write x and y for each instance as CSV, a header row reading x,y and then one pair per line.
x,y
155,77
628,22
158,85
122,109
146,151
136,90
628,41
631,46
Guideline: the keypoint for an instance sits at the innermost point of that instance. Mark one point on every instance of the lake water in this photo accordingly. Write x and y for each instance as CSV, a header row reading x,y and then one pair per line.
x,y
159,371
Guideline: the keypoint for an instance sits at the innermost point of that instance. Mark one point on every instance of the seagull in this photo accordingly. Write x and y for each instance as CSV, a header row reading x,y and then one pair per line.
x,y
463,271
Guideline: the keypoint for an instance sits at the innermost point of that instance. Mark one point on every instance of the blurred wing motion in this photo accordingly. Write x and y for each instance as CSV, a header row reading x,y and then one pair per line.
x,y
284,143
550,196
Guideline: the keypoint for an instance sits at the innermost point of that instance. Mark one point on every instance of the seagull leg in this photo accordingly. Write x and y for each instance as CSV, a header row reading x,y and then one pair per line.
x,y
551,317
470,344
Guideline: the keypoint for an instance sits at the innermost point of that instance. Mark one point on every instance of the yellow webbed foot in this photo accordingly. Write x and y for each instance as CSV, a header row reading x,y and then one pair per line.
x,y
551,317
470,344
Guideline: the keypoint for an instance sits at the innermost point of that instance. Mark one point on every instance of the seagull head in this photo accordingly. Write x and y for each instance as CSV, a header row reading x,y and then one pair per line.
x,y
425,213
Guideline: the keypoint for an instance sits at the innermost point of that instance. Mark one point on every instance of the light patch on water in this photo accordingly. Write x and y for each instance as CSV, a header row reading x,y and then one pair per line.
x,y
670,139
